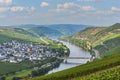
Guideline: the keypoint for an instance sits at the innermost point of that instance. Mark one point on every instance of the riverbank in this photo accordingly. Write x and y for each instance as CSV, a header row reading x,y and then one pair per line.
x,y
75,51
85,45
97,54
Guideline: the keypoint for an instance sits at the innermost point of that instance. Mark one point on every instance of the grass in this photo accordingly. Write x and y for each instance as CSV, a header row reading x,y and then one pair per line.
x,y
9,34
82,70
105,38
22,70
22,73
7,67
114,50
109,46
108,74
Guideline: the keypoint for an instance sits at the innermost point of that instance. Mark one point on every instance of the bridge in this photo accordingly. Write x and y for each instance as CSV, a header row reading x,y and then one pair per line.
x,y
74,57
66,58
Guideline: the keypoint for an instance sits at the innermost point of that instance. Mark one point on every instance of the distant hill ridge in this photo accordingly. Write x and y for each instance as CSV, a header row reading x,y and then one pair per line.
x,y
95,34
54,30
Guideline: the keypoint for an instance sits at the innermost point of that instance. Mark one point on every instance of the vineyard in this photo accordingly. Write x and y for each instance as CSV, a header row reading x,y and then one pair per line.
x,y
83,70
109,74
8,34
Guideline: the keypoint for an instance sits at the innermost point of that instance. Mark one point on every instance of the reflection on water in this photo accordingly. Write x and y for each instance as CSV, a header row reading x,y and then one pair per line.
x,y
74,52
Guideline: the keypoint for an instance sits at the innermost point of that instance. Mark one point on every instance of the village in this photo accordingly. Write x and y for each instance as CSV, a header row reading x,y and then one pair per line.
x,y
15,51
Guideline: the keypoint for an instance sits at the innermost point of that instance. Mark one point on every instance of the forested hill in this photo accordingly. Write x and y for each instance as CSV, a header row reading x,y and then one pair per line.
x,y
46,31
7,34
89,33
55,30
104,39
99,34
68,29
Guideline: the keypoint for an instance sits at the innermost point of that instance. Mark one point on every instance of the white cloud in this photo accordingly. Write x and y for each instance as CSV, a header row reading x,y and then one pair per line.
x,y
62,7
2,16
14,9
87,0
73,6
87,8
115,9
20,8
3,9
91,0
111,11
44,4
17,9
103,12
5,1
66,5
33,8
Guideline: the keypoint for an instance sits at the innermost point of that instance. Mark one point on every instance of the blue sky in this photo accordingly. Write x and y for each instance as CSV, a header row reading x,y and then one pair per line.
x,y
90,12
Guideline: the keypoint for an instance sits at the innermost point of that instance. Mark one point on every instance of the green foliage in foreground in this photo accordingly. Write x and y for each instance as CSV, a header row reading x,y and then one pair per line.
x,y
109,46
82,70
22,73
109,74
114,50
6,67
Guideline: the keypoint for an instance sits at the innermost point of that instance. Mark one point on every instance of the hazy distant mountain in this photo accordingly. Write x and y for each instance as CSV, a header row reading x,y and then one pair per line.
x,y
46,31
55,30
68,29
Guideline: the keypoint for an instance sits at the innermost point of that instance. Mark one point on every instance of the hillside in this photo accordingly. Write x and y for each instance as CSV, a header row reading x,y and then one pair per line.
x,y
94,67
23,31
108,74
68,29
55,30
7,34
46,31
109,46
97,35
89,33
100,38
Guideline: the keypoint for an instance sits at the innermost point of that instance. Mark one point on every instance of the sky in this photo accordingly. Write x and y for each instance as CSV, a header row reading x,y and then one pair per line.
x,y
44,12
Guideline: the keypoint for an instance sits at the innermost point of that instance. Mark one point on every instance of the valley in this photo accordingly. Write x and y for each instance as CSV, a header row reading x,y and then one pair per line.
x,y
104,41
59,39
35,50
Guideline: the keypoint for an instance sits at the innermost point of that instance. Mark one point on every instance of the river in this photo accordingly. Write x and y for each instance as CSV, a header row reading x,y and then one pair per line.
x,y
75,51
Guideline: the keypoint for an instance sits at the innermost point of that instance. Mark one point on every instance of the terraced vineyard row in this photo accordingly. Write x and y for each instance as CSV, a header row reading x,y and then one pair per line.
x,y
109,74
